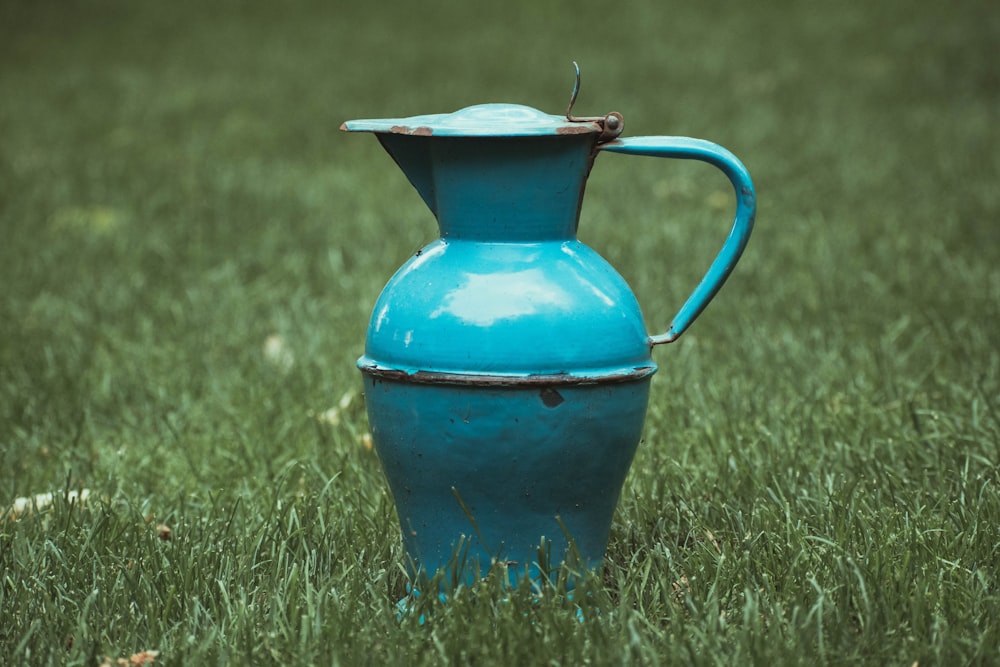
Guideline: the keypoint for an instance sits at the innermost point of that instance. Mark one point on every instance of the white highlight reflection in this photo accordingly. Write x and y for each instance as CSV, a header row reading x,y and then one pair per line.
x,y
483,299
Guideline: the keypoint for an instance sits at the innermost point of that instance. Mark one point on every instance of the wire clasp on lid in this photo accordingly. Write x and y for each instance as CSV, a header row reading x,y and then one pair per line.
x,y
611,124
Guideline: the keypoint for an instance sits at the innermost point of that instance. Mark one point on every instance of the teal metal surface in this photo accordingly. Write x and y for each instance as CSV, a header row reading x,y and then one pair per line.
x,y
507,365
481,474
481,120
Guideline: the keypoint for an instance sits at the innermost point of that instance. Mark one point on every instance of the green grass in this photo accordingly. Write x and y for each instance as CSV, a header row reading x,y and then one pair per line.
x,y
818,481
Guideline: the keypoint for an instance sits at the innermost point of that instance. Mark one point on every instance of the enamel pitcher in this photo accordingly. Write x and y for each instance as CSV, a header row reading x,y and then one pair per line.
x,y
507,365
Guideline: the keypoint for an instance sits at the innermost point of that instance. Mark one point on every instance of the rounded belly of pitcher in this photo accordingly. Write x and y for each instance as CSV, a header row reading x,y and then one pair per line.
x,y
484,475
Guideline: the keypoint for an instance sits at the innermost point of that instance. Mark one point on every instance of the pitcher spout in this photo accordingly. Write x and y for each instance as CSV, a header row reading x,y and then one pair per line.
x,y
413,155
494,172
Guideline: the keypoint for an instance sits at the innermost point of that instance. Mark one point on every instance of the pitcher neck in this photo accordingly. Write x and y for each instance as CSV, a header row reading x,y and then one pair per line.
x,y
514,189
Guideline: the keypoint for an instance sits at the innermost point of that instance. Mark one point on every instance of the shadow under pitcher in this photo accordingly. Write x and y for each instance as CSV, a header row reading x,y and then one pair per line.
x,y
507,365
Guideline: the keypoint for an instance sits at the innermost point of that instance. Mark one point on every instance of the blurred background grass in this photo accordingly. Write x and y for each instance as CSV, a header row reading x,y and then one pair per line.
x,y
174,193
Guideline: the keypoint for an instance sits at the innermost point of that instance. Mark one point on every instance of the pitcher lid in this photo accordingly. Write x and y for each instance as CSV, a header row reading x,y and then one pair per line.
x,y
481,120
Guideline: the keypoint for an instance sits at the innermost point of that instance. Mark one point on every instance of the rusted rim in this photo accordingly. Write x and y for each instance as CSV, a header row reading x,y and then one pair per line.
x,y
485,380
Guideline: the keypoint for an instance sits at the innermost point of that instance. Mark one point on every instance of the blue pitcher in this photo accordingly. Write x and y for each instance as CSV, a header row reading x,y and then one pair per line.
x,y
507,365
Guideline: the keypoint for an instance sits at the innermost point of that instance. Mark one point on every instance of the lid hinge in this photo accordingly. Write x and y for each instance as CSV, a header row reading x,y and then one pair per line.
x,y
611,124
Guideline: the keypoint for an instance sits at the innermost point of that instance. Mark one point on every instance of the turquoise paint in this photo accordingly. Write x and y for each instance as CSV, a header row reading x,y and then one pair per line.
x,y
507,365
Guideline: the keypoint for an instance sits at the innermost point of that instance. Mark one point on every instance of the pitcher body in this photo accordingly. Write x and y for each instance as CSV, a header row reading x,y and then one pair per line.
x,y
507,365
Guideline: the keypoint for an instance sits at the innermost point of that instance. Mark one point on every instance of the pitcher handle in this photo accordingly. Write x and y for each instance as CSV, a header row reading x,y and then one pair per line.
x,y
746,208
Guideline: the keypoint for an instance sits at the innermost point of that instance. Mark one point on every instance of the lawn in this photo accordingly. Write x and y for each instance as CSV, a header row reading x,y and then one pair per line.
x,y
190,251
